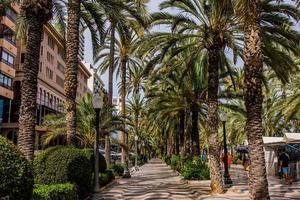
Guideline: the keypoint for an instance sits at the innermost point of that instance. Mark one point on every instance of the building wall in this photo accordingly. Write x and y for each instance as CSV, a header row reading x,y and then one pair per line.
x,y
94,82
50,94
8,52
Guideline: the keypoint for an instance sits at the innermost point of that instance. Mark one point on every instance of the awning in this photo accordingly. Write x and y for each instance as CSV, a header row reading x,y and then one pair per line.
x,y
272,141
288,138
292,138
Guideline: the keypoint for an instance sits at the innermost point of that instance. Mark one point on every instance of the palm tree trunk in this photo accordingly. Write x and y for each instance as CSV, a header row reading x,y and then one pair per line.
x,y
110,87
177,149
258,183
181,135
72,47
124,137
27,118
195,132
212,121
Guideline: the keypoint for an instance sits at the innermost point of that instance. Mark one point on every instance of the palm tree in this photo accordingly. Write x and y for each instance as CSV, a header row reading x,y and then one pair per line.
x,y
122,17
256,52
36,15
56,124
202,27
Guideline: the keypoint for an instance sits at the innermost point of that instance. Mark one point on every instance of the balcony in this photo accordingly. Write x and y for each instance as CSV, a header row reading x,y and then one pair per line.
x,y
9,45
8,22
7,69
5,92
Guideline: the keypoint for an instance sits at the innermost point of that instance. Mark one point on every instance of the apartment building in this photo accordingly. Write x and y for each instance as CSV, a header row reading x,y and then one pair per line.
x,y
8,53
50,94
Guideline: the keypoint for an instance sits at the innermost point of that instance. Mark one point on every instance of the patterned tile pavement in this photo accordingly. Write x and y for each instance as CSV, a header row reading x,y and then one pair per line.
x,y
157,181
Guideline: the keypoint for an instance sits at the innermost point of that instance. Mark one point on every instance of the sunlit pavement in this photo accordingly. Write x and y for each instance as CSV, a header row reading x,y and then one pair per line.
x,y
239,190
153,181
157,181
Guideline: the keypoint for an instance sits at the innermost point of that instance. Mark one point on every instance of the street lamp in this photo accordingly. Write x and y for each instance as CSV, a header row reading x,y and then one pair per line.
x,y
227,179
136,154
97,104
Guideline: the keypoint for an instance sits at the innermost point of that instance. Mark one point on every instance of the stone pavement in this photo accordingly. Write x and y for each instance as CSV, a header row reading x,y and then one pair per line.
x,y
154,180
157,181
239,189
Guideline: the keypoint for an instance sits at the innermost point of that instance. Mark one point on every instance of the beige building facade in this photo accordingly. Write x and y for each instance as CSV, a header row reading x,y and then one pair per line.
x,y
50,94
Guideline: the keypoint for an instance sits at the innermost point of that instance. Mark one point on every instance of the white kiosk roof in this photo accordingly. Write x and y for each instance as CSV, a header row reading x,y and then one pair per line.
x,y
292,137
273,140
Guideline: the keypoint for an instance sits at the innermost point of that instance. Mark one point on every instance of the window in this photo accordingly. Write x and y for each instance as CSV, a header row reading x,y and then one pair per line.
x,y
51,43
7,58
41,66
7,34
42,50
60,67
5,81
59,81
50,58
49,73
11,14
61,53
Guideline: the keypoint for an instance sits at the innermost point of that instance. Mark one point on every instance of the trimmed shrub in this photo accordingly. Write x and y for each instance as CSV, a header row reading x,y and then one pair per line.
x,y
16,175
141,160
195,170
118,169
175,162
102,162
167,159
66,191
64,165
106,177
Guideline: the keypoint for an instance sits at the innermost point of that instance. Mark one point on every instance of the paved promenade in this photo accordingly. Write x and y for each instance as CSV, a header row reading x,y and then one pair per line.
x,y
153,181
157,181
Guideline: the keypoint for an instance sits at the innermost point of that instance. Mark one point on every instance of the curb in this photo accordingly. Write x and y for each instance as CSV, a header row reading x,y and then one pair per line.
x,y
109,185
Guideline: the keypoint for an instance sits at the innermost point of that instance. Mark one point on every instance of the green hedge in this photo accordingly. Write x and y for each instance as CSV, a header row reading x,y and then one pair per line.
x,y
65,191
16,175
64,165
195,170
90,155
106,177
118,169
175,162
141,160
167,160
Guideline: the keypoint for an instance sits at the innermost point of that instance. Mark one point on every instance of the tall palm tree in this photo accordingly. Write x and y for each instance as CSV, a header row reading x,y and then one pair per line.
x,y
36,14
89,14
71,69
201,27
121,16
29,23
258,50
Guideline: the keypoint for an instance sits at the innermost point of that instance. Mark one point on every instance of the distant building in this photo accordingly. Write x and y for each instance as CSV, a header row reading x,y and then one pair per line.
x,y
117,103
50,94
94,82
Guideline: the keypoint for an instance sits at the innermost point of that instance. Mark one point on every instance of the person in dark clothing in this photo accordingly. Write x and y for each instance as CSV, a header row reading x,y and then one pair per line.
x,y
284,161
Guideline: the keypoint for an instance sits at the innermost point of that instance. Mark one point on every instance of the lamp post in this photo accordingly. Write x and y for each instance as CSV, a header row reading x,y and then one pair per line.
x,y
97,104
136,154
227,179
